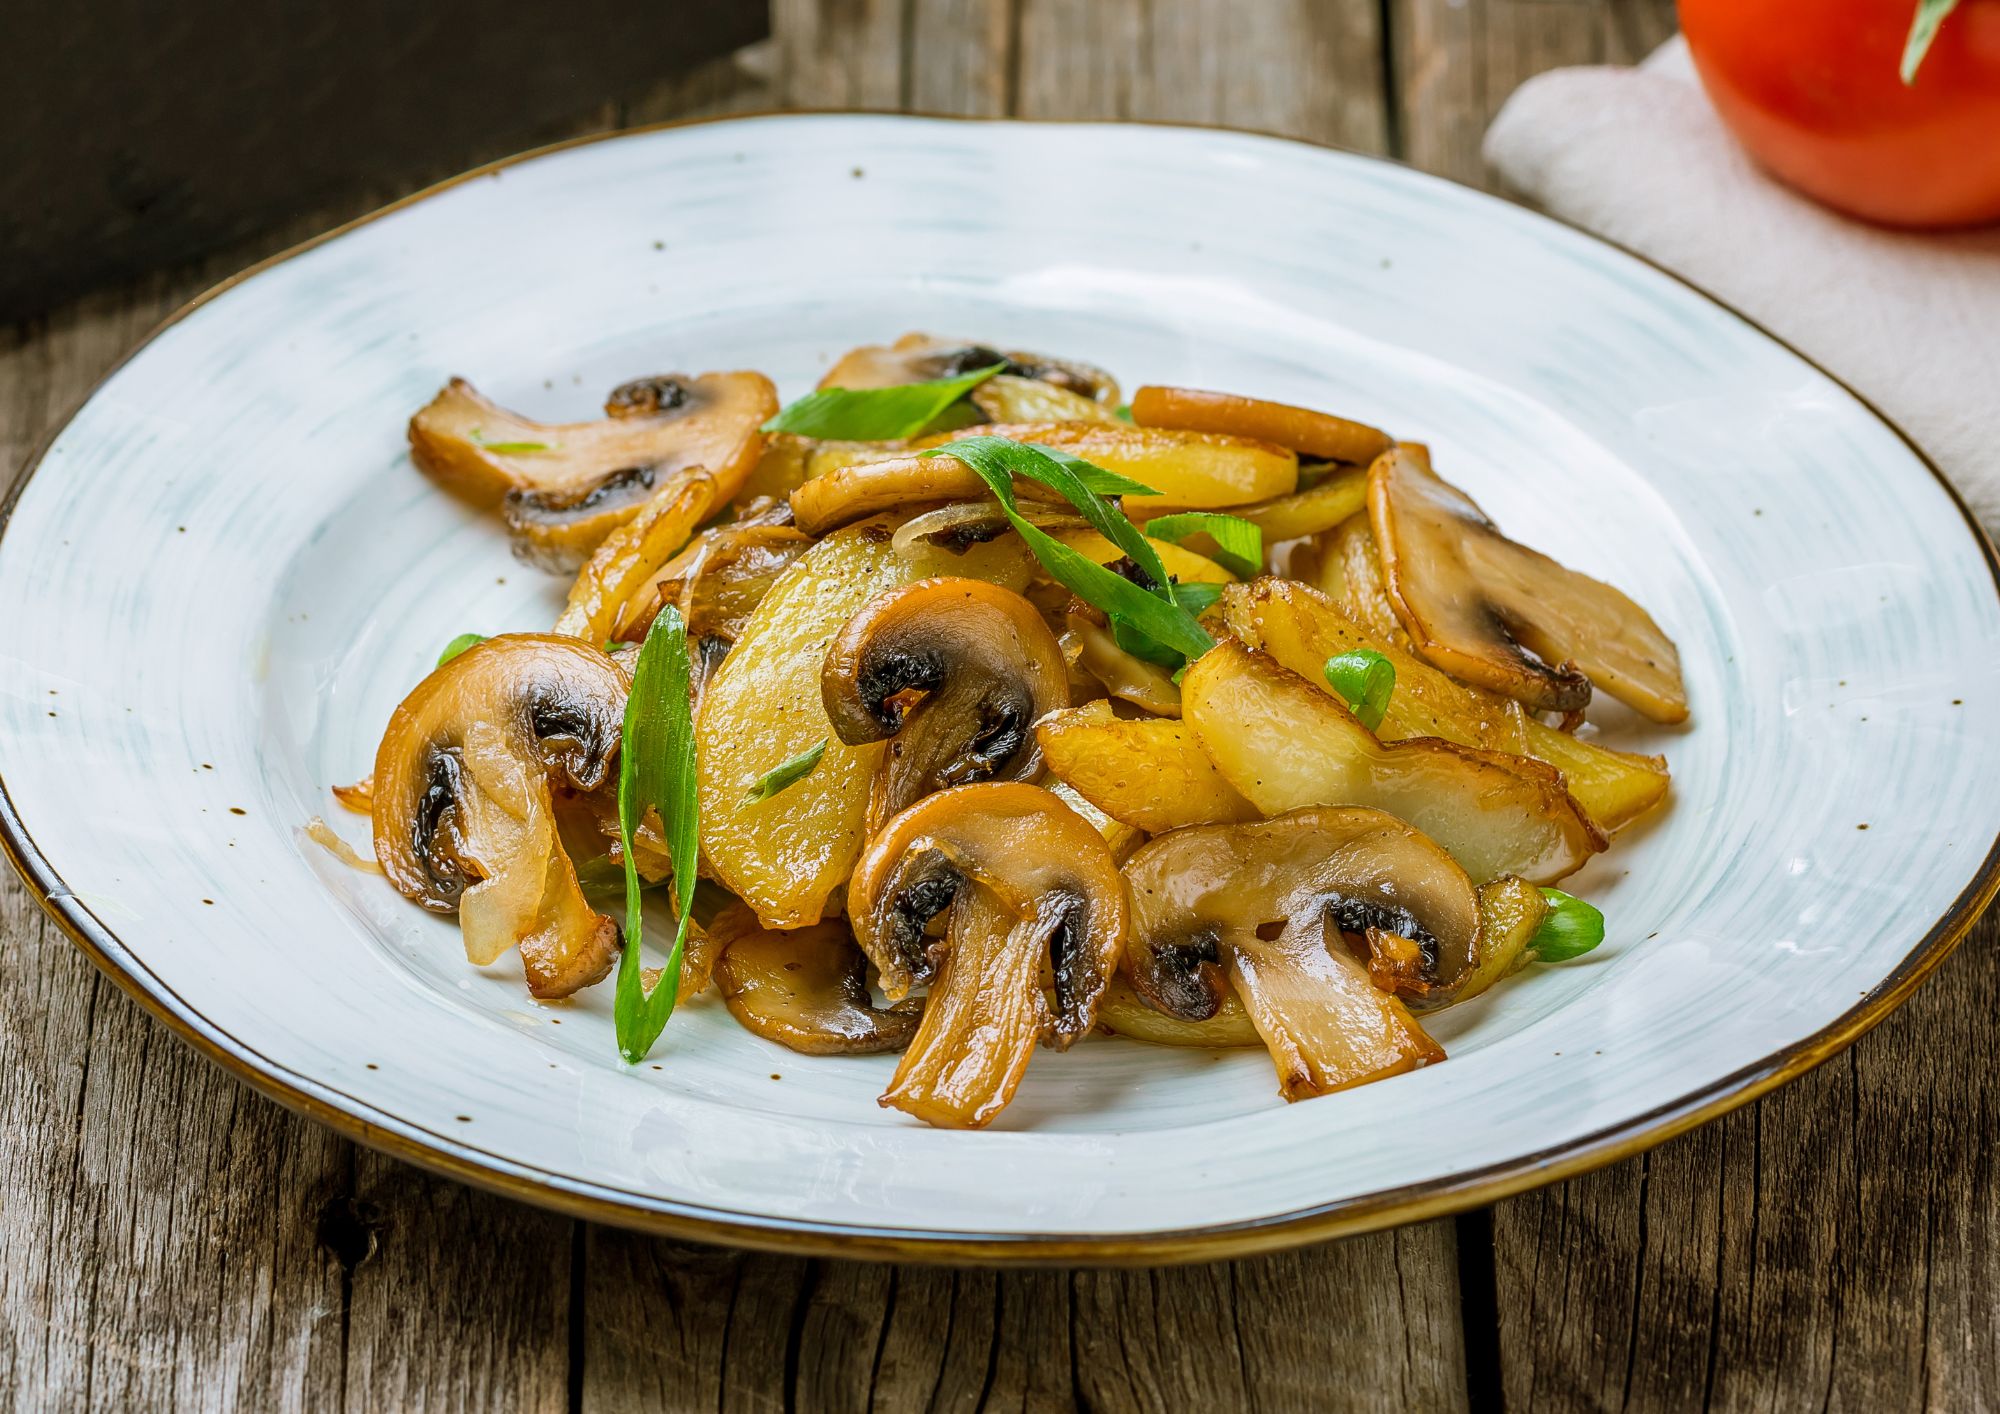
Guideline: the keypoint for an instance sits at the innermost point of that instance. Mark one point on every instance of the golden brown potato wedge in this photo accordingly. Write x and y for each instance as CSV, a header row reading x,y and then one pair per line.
x,y
1190,470
1283,744
1510,912
1317,508
1302,628
788,855
1148,772
1183,564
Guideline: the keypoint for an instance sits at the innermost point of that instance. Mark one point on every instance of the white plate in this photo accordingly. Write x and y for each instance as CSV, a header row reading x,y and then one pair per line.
x,y
223,573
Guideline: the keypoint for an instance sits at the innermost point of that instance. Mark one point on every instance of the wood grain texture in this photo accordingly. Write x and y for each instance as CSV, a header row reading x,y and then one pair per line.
x,y
171,1239
1455,62
1839,1240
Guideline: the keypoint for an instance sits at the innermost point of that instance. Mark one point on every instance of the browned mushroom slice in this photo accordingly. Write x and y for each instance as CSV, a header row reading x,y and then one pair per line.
x,y
1267,907
1506,617
462,810
720,577
924,358
568,485
806,988
1284,743
987,668
1317,434
1028,890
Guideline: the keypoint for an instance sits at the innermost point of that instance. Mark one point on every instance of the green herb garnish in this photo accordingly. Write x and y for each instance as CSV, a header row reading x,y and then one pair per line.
x,y
876,414
512,448
1151,613
1923,29
656,771
789,774
1239,544
1571,929
1366,679
459,645
1123,412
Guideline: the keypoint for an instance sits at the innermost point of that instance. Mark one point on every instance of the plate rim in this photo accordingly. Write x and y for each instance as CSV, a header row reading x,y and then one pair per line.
x,y
358,1120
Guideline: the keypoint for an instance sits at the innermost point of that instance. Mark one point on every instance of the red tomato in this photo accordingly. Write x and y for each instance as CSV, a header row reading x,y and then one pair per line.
x,y
1812,88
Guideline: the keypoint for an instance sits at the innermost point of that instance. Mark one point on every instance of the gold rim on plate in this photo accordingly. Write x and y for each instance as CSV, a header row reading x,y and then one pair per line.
x,y
357,1120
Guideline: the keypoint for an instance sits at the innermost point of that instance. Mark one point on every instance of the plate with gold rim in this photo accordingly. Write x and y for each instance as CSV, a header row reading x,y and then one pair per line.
x,y
222,573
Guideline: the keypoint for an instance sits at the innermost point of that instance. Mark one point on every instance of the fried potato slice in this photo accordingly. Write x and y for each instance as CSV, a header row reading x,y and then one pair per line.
x,y
787,856
1190,470
1283,743
1148,772
1301,628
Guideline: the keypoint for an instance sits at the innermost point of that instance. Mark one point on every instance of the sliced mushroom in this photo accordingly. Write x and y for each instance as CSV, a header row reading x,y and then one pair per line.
x,y
1265,908
462,810
987,668
1284,743
924,358
1032,901
1317,434
720,577
806,988
635,552
1506,617
1005,397
568,485
965,523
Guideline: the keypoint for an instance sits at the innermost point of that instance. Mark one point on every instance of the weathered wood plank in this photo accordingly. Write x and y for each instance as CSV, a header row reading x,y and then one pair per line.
x,y
1455,62
1300,68
1840,1239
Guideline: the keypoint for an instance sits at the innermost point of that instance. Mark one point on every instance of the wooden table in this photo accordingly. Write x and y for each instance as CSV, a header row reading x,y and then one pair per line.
x,y
170,1237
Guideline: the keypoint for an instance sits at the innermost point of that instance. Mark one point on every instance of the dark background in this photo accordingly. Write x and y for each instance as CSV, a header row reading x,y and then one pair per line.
x,y
134,135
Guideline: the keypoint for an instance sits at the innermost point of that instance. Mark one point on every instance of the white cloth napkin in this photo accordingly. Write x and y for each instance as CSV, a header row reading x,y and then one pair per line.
x,y
1910,321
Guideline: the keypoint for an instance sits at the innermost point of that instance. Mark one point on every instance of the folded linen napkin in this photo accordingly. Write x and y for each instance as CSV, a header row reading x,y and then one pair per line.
x,y
1911,321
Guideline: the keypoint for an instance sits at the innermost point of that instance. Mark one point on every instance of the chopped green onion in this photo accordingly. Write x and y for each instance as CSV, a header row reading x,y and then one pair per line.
x,y
1123,412
459,645
1923,29
788,774
1197,596
876,414
1571,929
1152,613
515,448
1239,544
656,771
1367,680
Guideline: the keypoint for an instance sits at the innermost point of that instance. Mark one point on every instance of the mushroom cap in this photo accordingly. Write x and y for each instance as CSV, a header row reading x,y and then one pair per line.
x,y
1035,923
565,486
1035,858
1199,891
805,988
462,808
558,701
923,358
988,667
1505,617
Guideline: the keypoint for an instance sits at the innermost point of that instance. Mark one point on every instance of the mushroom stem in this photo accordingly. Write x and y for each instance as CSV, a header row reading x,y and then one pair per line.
x,y
1035,919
